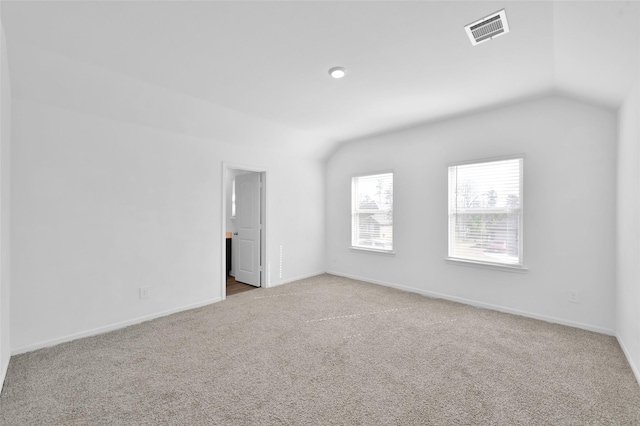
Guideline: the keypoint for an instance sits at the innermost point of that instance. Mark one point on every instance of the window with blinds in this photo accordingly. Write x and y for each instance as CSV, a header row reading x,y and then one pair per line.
x,y
372,212
485,212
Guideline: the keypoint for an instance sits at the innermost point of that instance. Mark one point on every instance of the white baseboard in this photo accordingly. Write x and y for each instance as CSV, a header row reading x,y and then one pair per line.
x,y
290,280
3,375
122,324
632,364
484,305
110,327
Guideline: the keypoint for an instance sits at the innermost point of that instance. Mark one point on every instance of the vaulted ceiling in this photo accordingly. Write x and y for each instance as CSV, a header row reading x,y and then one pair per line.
x,y
407,62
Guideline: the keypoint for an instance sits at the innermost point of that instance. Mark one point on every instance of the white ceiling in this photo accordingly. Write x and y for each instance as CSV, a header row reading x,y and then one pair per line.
x,y
407,62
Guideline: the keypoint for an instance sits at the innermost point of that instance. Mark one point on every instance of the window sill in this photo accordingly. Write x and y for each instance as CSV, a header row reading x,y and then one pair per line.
x,y
374,251
486,265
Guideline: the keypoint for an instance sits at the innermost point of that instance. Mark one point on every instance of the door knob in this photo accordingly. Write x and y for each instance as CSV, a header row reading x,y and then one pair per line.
x,y
235,233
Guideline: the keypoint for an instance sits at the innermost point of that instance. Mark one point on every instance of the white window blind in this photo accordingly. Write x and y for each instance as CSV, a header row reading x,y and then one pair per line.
x,y
372,212
485,212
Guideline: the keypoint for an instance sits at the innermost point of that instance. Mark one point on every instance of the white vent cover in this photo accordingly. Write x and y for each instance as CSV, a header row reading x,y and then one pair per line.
x,y
488,27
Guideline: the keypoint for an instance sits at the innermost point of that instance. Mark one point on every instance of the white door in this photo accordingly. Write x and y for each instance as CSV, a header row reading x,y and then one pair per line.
x,y
247,264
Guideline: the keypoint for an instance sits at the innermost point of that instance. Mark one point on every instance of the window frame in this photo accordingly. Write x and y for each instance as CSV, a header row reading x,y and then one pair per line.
x,y
354,212
510,267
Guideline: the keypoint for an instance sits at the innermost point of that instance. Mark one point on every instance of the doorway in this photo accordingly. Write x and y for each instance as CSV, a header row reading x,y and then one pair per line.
x,y
244,227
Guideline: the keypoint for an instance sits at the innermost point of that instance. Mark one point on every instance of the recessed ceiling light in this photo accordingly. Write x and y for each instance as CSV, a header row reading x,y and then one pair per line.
x,y
337,72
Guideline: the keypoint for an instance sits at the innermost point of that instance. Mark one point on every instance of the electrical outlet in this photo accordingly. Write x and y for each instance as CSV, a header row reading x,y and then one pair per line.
x,y
144,292
573,297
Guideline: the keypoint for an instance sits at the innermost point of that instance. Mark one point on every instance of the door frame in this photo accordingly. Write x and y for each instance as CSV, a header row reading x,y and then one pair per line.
x,y
226,166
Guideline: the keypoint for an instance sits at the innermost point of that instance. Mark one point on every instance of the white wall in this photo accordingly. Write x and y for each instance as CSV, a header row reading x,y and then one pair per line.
x,y
66,83
569,209
106,204
628,229
5,157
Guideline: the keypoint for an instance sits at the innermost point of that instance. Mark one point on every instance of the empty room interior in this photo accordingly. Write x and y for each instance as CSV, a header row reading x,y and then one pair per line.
x,y
320,212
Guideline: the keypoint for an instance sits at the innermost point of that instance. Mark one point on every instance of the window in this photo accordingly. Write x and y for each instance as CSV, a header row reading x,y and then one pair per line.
x,y
372,212
485,212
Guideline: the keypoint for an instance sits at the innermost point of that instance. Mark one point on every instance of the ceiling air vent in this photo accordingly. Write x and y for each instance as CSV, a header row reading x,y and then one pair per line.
x,y
488,27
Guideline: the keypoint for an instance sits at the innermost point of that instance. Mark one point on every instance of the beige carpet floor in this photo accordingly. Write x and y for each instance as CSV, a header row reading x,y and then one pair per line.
x,y
327,351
